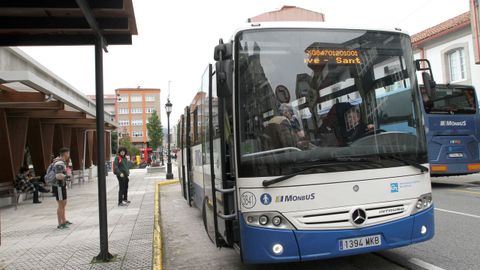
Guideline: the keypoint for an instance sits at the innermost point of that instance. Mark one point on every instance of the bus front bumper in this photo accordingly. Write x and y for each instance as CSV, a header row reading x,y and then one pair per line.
x,y
301,245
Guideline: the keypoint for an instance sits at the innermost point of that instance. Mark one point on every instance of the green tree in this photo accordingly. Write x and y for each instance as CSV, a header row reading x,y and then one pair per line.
x,y
131,149
155,131
114,142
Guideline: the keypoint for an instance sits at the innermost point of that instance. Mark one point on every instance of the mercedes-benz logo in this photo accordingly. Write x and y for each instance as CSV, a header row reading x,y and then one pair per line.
x,y
359,216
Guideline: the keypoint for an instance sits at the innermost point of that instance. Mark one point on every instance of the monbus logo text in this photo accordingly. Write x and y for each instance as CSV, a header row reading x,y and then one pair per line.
x,y
450,123
294,198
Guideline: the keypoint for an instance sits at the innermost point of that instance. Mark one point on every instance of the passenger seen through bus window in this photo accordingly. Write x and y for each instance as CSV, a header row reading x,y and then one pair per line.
x,y
284,130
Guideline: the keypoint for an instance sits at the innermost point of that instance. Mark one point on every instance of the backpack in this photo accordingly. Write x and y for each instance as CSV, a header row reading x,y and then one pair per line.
x,y
50,177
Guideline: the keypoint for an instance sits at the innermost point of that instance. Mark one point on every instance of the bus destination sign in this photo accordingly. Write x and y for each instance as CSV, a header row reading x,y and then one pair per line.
x,y
332,56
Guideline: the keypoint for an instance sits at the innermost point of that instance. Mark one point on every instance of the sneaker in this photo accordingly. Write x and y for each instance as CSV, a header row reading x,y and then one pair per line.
x,y
68,223
122,204
62,226
127,201
37,202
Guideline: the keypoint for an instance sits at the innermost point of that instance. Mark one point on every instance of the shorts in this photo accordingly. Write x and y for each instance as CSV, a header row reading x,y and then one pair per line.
x,y
60,192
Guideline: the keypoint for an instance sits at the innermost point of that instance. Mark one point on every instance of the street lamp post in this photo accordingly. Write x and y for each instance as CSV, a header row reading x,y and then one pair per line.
x,y
168,109
161,155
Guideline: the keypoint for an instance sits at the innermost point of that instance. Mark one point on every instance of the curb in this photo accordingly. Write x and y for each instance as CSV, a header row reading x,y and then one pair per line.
x,y
157,232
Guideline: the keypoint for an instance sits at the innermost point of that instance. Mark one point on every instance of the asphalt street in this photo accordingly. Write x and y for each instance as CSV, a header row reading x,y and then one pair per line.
x,y
455,245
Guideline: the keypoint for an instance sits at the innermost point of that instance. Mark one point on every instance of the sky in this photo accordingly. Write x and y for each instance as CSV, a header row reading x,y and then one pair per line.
x,y
176,39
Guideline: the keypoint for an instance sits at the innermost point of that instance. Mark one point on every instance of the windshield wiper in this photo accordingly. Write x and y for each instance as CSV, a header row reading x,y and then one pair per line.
x,y
267,183
343,160
331,162
405,161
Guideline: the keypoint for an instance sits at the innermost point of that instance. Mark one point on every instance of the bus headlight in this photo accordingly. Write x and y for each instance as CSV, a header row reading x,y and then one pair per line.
x,y
276,220
423,202
273,220
419,204
263,220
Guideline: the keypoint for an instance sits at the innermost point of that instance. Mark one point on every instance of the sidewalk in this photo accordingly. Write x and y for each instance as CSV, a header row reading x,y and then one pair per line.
x,y
30,239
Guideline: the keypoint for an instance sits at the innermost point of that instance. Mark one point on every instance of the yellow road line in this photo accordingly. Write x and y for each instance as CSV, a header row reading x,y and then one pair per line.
x,y
157,233
465,191
163,183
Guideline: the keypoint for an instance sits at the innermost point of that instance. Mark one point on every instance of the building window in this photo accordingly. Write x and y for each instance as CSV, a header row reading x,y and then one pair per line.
x,y
150,110
136,98
137,123
136,110
150,98
456,65
123,111
137,134
122,99
123,123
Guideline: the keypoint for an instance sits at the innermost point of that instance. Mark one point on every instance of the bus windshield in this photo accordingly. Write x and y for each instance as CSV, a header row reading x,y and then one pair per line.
x,y
310,96
450,100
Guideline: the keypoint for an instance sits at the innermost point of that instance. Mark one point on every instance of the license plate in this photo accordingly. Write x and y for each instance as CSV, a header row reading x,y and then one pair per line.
x,y
360,242
455,155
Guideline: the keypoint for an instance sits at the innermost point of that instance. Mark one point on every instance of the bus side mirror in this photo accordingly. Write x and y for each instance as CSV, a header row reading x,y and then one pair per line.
x,y
427,77
428,83
224,70
223,51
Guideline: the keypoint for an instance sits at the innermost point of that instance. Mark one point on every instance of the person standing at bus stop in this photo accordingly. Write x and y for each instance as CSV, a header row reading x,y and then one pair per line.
x,y
120,169
60,186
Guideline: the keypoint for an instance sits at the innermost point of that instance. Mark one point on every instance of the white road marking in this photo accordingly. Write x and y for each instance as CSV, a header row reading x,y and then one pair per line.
x,y
457,213
424,265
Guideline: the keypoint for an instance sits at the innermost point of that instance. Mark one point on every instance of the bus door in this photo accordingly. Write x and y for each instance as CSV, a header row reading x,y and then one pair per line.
x,y
181,157
187,158
219,206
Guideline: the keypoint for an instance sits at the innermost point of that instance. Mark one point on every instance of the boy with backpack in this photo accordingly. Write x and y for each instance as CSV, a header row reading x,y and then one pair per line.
x,y
57,176
121,170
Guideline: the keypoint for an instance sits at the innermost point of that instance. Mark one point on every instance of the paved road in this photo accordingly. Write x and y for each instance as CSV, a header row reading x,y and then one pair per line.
x,y
187,246
456,244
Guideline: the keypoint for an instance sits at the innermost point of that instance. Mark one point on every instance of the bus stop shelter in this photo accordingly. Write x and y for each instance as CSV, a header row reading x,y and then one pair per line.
x,y
40,112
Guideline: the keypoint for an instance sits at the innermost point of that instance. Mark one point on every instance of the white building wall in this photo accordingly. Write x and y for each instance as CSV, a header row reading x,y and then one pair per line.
x,y
435,53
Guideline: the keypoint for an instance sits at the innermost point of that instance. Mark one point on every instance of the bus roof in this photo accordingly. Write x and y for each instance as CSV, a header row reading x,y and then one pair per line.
x,y
312,25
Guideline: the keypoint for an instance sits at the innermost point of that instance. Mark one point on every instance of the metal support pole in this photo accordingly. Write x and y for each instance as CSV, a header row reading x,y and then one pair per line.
x,y
169,156
84,150
161,156
104,255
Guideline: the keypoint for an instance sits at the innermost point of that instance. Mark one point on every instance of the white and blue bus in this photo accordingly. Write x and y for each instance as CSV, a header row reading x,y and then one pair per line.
x,y
286,150
452,124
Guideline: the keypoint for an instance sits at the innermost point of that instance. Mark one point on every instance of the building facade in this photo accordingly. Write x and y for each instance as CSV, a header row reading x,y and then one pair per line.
x,y
289,13
133,108
449,46
109,102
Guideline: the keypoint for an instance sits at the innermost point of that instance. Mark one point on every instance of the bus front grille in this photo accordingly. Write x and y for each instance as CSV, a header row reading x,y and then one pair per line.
x,y
341,218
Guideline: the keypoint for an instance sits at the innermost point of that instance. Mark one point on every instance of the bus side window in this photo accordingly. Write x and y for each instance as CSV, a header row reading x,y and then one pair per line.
x,y
195,126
